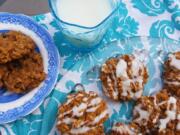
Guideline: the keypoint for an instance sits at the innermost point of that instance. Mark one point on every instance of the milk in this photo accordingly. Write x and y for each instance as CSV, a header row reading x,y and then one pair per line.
x,y
87,13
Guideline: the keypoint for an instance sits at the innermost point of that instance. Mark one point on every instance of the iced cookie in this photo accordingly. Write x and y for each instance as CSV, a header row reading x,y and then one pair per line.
x,y
169,114
25,74
146,113
172,74
82,114
125,129
123,78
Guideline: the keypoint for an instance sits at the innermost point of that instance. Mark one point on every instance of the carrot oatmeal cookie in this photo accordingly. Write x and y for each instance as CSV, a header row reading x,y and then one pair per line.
x,y
146,113
123,78
125,129
172,74
169,114
82,114
14,45
24,74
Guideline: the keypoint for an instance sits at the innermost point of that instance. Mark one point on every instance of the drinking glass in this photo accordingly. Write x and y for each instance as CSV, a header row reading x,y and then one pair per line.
x,y
81,37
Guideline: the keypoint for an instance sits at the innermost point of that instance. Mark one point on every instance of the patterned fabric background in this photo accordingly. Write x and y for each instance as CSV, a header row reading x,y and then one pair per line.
x,y
154,18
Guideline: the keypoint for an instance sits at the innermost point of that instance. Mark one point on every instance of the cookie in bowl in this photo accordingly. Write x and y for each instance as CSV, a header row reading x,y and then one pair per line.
x,y
21,66
14,45
125,129
172,74
82,114
24,74
123,78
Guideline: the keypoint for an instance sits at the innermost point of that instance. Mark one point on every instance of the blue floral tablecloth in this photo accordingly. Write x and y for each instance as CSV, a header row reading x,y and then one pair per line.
x,y
155,18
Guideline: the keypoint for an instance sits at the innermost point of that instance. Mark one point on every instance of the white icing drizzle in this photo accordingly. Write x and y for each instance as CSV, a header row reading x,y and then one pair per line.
x,y
78,110
143,114
178,125
68,101
85,99
136,66
86,105
108,79
95,101
138,94
101,116
123,129
171,114
126,87
106,91
92,93
121,69
115,91
176,83
67,121
59,122
71,98
161,103
92,109
80,130
115,94
94,104
174,61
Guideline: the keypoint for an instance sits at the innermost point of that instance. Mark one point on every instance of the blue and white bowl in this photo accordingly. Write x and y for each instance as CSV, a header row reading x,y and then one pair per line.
x,y
14,106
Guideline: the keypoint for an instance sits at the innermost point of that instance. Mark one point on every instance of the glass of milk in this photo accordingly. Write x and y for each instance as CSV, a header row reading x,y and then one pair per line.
x,y
84,22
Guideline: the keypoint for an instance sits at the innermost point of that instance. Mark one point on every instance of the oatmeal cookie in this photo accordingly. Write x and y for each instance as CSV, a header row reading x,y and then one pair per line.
x,y
14,45
125,129
123,78
146,113
172,74
24,74
169,114
82,114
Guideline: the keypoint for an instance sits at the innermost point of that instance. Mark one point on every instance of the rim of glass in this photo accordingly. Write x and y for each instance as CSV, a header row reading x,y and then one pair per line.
x,y
76,25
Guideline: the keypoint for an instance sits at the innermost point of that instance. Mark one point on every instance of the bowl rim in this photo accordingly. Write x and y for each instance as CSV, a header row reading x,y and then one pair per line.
x,y
50,2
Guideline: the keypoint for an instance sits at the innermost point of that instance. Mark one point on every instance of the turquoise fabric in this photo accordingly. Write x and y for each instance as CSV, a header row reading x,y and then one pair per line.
x,y
154,18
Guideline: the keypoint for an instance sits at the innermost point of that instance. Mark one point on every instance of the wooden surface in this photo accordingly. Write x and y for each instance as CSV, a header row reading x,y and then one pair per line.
x,y
29,7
